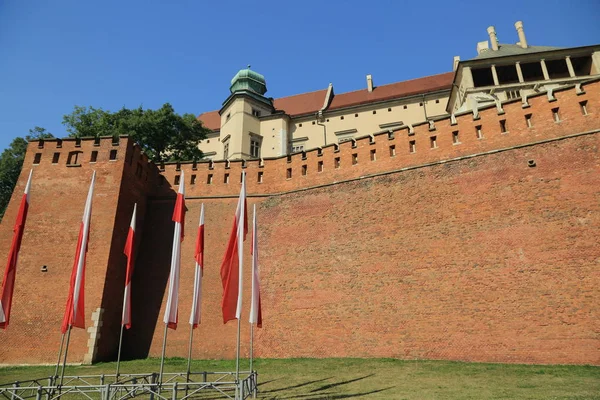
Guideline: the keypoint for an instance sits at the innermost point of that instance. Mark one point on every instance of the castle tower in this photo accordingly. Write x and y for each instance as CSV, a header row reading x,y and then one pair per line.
x,y
240,134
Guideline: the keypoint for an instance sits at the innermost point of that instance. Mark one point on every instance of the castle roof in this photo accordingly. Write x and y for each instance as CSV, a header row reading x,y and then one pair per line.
x,y
513,50
309,103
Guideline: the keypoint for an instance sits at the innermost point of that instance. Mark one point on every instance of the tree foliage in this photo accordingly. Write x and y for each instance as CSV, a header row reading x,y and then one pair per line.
x,y
163,134
11,162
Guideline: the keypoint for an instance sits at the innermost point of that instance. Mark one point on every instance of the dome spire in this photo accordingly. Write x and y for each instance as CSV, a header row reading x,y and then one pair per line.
x,y
247,79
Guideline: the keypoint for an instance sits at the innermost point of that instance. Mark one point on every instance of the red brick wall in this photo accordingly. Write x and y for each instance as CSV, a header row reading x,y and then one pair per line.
x,y
476,258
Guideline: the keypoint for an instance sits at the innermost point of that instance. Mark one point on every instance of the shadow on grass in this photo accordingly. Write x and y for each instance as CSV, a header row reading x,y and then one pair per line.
x,y
333,396
295,386
332,385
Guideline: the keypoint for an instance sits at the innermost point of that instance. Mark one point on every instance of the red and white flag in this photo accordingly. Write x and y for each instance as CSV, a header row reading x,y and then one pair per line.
x,y
232,265
10,272
179,219
75,310
255,309
199,256
126,318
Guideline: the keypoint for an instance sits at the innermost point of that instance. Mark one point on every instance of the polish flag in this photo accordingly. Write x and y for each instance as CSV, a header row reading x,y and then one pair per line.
x,y
255,309
232,265
75,310
199,256
126,319
179,219
8,283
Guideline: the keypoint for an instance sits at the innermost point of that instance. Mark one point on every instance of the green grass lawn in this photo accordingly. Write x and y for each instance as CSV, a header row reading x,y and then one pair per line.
x,y
320,379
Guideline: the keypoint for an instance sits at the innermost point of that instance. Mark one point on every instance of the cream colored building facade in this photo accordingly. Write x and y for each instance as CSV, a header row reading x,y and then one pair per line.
x,y
251,125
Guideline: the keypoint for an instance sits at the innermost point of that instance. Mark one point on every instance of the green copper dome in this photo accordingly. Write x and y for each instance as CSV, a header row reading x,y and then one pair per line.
x,y
246,79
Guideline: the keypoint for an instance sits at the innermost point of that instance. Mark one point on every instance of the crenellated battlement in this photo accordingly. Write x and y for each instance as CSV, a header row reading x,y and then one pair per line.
x,y
503,125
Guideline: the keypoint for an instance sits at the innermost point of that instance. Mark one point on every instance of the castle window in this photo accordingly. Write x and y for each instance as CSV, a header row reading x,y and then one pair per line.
x,y
37,158
420,104
374,111
373,156
405,107
583,105
557,68
96,141
73,158
226,150
256,112
255,147
393,150
336,162
193,180
433,142
582,65
178,167
513,94
226,178
77,142
58,143
532,71
555,114
93,156
113,155
55,158
242,176
342,117
437,101
304,169
355,115
41,144
313,122
226,118
327,120
299,125
260,176
412,146
289,173
478,132
354,159
177,179
482,77
389,109
528,120
503,128
209,179
507,74
320,166
455,138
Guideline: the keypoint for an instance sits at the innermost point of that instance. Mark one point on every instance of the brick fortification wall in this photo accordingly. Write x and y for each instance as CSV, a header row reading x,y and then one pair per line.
x,y
481,244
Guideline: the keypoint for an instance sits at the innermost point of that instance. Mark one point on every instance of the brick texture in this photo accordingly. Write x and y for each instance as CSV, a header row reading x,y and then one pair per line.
x,y
463,251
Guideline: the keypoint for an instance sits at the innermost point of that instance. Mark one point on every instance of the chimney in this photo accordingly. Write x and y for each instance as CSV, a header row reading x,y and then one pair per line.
x,y
493,39
483,46
521,33
455,63
369,83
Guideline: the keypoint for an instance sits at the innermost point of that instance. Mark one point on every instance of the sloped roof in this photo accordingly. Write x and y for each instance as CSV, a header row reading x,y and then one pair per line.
x,y
394,90
308,103
513,50
211,120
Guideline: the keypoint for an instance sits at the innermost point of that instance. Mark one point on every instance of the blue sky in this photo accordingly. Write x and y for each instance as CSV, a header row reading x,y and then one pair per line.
x,y
109,54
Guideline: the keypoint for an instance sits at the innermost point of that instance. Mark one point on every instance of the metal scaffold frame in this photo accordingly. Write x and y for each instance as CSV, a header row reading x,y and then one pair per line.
x,y
175,386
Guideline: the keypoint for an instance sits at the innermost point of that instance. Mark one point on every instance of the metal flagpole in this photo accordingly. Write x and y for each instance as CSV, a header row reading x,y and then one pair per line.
x,y
162,359
237,357
251,345
190,352
62,375
62,342
119,355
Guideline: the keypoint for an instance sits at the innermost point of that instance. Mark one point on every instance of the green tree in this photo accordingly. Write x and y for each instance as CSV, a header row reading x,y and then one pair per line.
x,y
163,134
11,162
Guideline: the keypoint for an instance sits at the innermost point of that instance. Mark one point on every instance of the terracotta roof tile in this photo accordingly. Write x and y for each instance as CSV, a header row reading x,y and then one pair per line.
x,y
300,104
393,90
211,120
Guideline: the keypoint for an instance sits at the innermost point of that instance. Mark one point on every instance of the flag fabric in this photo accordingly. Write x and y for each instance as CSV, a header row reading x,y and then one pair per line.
x,y
75,310
171,315
8,283
126,318
255,308
199,272
232,265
